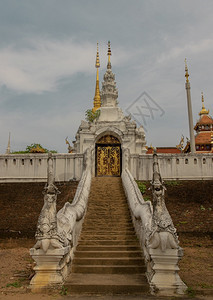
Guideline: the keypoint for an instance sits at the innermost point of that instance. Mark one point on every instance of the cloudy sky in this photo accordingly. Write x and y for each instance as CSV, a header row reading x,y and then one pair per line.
x,y
47,73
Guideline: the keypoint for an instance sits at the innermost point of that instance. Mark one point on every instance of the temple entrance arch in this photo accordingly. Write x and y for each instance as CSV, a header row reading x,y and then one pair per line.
x,y
108,156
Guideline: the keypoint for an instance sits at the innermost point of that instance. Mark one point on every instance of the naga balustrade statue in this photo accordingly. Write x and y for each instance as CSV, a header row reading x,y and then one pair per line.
x,y
57,233
155,231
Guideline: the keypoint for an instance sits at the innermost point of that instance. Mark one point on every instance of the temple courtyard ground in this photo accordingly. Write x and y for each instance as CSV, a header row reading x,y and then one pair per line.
x,y
190,204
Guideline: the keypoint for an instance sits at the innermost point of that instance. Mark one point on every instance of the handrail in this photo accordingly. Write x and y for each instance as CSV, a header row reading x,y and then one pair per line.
x,y
56,230
136,201
141,211
57,233
75,211
156,232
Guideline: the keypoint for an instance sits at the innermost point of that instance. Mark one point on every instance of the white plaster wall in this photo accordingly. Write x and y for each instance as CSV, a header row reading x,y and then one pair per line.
x,y
33,167
173,166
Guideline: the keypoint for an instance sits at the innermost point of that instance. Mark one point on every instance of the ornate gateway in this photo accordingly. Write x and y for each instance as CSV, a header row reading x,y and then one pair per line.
x,y
108,156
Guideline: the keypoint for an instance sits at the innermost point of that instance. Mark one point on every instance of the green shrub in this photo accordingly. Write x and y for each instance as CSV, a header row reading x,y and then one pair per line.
x,y
91,115
141,186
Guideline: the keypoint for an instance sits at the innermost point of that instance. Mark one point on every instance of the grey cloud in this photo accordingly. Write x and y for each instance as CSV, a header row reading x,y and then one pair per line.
x,y
47,54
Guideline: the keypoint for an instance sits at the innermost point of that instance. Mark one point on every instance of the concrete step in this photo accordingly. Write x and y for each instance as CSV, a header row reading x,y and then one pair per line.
x,y
113,269
109,224
108,248
108,216
127,261
105,222
119,216
102,207
107,284
104,226
94,237
108,254
107,228
104,231
119,213
108,258
106,242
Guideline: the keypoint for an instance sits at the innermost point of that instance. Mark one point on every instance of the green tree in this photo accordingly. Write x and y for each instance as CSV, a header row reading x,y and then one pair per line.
x,y
91,115
32,149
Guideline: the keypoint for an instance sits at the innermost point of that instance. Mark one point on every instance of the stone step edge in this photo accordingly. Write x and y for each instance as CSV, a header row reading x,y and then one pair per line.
x,y
108,266
107,234
100,289
125,258
108,240
107,248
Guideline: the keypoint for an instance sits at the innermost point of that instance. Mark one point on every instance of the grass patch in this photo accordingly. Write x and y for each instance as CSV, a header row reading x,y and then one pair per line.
x,y
16,284
190,292
63,291
206,286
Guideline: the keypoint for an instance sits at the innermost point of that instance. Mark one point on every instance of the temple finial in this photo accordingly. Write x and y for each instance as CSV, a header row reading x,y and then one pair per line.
x,y
97,63
97,98
109,53
203,111
186,72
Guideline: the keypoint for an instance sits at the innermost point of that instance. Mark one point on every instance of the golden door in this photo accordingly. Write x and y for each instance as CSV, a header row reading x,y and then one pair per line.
x,y
108,160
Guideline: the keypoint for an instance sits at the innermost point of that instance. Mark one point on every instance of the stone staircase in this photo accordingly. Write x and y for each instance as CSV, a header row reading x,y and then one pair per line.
x,y
108,258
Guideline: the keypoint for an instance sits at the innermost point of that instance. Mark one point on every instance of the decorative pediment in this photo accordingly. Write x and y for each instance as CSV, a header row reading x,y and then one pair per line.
x,y
108,139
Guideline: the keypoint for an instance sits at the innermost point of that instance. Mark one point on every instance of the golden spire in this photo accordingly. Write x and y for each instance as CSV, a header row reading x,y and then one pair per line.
x,y
97,63
203,111
97,98
186,70
109,53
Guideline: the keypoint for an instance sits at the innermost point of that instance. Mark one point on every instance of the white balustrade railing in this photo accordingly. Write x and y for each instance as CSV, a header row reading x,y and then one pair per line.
x,y
57,233
156,233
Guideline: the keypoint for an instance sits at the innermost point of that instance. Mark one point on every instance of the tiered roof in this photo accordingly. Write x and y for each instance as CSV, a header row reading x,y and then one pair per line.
x,y
204,129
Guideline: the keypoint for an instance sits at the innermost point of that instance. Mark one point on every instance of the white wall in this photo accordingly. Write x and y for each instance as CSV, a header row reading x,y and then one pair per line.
x,y
173,166
33,167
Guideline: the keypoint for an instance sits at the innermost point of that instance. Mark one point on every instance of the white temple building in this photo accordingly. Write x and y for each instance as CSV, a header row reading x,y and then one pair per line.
x,y
110,132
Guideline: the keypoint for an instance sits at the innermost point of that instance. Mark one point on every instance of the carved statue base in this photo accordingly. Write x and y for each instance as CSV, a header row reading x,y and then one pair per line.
x,y
51,267
165,279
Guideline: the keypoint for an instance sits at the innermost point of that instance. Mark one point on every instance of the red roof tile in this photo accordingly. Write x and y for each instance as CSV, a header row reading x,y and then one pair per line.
x,y
204,120
164,150
203,138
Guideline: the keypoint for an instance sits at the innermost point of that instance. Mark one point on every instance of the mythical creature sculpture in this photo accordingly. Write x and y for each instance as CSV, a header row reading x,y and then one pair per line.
x,y
180,146
163,233
47,234
70,148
